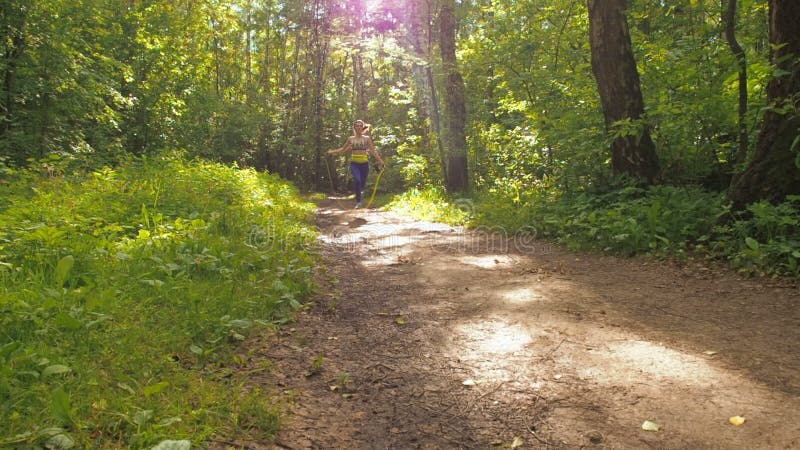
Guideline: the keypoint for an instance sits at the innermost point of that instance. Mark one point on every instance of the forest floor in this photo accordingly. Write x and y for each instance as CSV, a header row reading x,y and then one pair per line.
x,y
428,336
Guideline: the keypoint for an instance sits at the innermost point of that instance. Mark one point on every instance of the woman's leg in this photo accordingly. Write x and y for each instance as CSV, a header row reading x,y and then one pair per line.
x,y
360,172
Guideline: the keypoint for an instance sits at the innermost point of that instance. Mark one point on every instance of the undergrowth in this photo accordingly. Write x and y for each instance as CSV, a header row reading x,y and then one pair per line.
x,y
125,292
430,204
659,220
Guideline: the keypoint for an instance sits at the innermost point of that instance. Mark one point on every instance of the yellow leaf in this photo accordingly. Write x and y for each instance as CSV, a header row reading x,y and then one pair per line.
x,y
518,442
400,321
650,426
737,420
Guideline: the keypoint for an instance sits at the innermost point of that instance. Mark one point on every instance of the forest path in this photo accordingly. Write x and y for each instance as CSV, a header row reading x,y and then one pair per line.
x,y
438,338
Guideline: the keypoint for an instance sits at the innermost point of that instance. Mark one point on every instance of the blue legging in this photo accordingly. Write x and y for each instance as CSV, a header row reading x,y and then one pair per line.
x,y
360,172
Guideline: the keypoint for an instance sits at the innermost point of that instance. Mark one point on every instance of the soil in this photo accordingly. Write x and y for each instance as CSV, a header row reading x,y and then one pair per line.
x,y
428,336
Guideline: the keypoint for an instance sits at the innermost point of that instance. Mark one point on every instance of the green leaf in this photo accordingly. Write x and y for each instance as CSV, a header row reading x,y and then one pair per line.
x,y
63,268
239,323
67,322
142,417
60,406
752,243
126,387
155,388
60,441
163,423
55,369
7,349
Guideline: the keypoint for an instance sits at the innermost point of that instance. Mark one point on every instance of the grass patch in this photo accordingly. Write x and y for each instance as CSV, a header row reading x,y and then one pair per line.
x,y
431,204
124,295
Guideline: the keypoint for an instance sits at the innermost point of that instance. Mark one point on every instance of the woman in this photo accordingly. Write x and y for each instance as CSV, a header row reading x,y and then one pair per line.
x,y
359,145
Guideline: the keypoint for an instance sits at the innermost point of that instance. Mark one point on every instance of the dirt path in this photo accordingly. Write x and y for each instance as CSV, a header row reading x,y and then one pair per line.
x,y
436,338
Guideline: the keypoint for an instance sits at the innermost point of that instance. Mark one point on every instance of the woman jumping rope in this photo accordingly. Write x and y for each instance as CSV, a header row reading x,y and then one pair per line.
x,y
359,144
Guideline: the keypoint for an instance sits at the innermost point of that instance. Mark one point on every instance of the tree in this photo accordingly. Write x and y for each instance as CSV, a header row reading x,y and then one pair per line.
x,y
455,104
774,171
729,19
632,150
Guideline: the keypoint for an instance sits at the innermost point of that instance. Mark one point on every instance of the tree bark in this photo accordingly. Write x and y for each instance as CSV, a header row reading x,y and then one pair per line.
x,y
320,49
455,104
14,44
773,172
620,94
729,19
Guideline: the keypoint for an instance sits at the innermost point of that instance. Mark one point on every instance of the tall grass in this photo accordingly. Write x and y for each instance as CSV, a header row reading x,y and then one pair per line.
x,y
123,294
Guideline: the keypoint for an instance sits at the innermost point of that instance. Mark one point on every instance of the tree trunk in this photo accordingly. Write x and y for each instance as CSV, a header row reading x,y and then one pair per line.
x,y
320,49
455,104
729,19
13,47
265,69
620,94
248,52
359,85
436,121
773,172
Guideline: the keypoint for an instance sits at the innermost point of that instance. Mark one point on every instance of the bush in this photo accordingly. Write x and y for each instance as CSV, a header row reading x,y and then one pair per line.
x,y
119,291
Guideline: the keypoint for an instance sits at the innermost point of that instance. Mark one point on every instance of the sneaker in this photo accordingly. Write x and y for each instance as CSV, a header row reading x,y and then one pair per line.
x,y
358,205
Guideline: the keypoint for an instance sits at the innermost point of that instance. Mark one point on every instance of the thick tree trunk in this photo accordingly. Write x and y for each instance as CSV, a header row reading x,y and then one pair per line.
x,y
773,172
729,19
618,83
455,104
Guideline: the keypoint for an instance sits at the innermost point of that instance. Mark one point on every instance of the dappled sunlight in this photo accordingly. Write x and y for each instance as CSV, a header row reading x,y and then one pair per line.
x,y
494,337
382,232
521,296
488,261
628,360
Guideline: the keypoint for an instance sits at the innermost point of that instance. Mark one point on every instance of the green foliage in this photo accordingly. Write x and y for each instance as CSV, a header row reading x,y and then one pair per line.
x,y
626,219
765,239
124,290
431,204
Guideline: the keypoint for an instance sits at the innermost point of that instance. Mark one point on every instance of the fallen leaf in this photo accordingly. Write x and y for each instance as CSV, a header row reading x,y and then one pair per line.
x,y
737,420
469,382
710,352
650,426
400,321
518,442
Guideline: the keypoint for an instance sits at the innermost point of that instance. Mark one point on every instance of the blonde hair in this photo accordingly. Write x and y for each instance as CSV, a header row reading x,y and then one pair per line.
x,y
365,126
